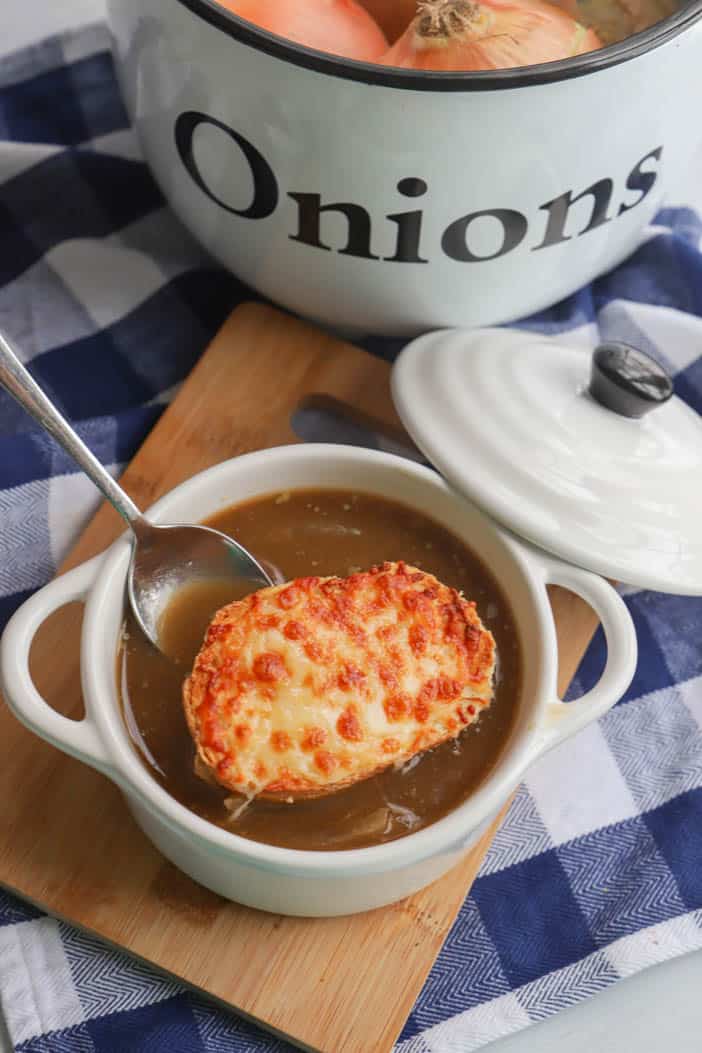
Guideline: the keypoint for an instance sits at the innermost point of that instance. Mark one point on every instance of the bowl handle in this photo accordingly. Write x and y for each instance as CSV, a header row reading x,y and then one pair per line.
x,y
566,718
77,737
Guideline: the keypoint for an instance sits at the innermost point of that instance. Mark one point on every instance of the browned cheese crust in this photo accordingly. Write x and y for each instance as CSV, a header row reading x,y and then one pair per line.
x,y
302,689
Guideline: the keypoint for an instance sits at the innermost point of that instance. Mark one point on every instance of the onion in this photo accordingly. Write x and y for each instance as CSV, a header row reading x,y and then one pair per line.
x,y
613,20
341,27
488,34
393,16
570,7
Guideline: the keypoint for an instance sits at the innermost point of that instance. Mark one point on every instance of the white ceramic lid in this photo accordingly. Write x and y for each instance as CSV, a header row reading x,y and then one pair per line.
x,y
512,420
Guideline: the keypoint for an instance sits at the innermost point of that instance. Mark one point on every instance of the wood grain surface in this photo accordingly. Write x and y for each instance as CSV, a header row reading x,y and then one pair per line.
x,y
67,840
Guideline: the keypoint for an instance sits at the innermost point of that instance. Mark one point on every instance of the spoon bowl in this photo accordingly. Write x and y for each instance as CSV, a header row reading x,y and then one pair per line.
x,y
168,559
165,559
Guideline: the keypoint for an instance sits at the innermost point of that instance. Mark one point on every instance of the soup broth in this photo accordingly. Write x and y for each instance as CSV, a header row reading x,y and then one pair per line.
x,y
322,532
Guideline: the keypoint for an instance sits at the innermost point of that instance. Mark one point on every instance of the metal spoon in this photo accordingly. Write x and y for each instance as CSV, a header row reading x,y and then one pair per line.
x,y
164,558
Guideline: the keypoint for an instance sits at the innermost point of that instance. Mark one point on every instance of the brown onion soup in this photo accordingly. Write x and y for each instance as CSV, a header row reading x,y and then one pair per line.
x,y
323,532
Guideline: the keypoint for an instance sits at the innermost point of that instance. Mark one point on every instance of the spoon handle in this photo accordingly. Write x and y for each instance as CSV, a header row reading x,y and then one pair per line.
x,y
18,382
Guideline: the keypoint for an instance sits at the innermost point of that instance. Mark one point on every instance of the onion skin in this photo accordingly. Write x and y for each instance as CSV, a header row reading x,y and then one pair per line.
x,y
340,27
569,6
463,35
393,16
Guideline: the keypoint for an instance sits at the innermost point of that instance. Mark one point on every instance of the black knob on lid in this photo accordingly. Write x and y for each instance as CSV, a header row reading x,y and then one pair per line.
x,y
628,381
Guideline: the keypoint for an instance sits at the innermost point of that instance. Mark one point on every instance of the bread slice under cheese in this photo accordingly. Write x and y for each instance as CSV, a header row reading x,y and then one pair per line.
x,y
304,688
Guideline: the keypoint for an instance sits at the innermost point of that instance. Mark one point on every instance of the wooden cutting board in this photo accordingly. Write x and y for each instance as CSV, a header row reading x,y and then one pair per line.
x,y
67,841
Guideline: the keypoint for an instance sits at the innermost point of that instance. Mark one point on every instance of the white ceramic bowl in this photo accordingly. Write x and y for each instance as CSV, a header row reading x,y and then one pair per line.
x,y
299,882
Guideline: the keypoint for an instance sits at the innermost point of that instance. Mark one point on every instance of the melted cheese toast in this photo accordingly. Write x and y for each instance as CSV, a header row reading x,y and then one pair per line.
x,y
302,689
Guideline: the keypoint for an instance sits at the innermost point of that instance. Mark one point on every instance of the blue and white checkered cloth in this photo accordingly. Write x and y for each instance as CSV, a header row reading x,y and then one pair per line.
x,y
597,871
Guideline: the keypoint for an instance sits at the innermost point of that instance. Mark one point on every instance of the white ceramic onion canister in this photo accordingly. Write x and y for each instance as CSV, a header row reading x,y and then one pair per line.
x,y
393,201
